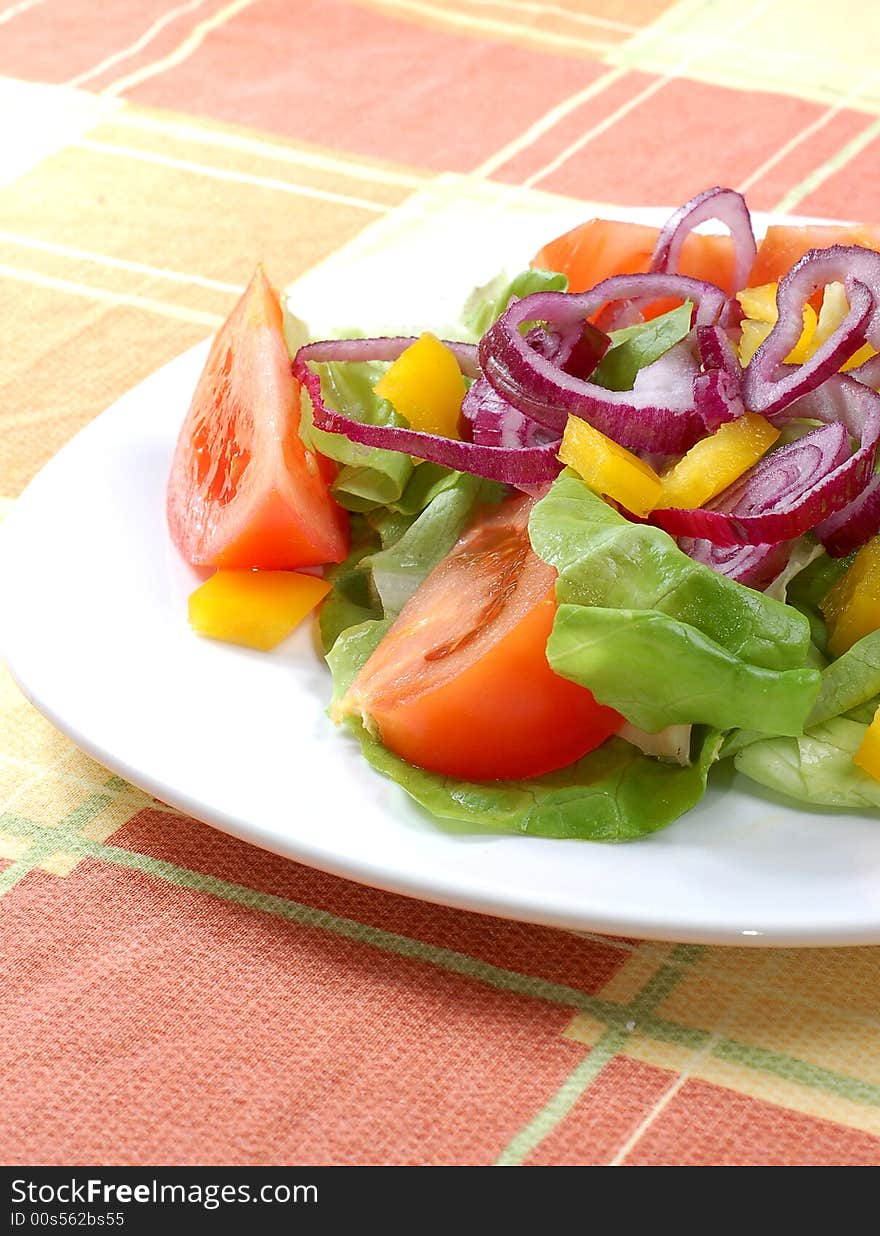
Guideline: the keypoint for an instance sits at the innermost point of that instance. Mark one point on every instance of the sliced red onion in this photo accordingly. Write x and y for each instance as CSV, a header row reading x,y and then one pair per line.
x,y
641,419
513,465
784,495
492,421
859,271
868,372
856,523
390,348
729,208
718,389
753,565
586,352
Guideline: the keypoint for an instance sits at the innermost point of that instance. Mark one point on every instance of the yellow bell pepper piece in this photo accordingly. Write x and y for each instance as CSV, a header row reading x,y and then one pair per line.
x,y
255,608
425,385
835,307
868,755
852,607
608,468
717,461
759,306
759,303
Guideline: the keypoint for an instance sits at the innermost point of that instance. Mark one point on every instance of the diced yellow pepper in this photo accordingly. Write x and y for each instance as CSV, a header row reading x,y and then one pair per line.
x,y
852,607
717,461
255,608
608,468
835,307
759,303
425,385
868,755
759,306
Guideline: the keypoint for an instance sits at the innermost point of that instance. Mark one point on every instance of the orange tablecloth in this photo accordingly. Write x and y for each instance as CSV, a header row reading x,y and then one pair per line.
x,y
170,995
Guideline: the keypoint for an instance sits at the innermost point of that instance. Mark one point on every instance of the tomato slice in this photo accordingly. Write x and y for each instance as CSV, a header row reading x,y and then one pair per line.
x,y
599,248
783,245
244,491
461,684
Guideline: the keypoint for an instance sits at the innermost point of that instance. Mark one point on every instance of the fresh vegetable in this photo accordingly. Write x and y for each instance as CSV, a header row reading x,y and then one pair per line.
x,y
764,390
610,470
460,682
852,606
785,244
604,559
641,418
425,386
759,306
726,205
515,465
255,608
868,755
815,768
677,585
634,347
600,248
244,490
714,463
659,637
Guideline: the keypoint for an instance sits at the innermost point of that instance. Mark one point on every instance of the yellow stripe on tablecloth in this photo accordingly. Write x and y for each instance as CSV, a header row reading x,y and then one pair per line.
x,y
12,241
556,31
15,10
803,47
125,53
180,313
272,149
182,52
261,164
215,173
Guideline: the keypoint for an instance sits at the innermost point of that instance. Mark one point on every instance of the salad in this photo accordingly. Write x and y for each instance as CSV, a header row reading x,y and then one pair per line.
x,y
623,527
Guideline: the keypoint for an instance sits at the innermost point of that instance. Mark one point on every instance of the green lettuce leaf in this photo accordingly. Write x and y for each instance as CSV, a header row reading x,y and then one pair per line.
x,y
487,303
393,552
851,680
815,768
661,638
401,567
605,560
658,671
613,794
351,600
634,347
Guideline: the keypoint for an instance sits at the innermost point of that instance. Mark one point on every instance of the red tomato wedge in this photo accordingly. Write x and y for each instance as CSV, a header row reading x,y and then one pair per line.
x,y
783,245
603,247
244,491
461,684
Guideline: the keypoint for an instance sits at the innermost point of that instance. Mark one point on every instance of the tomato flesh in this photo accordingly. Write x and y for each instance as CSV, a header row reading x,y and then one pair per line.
x,y
461,684
784,244
244,491
600,248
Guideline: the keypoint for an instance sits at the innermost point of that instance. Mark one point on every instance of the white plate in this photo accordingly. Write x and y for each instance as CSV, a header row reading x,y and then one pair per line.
x,y
93,626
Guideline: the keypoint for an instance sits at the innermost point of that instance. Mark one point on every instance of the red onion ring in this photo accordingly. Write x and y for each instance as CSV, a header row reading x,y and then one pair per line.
x,y
754,511
543,390
513,465
717,390
729,208
492,421
856,523
756,566
859,270
784,495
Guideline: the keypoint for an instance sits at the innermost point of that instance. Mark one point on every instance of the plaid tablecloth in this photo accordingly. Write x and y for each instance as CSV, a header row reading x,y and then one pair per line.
x,y
171,995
